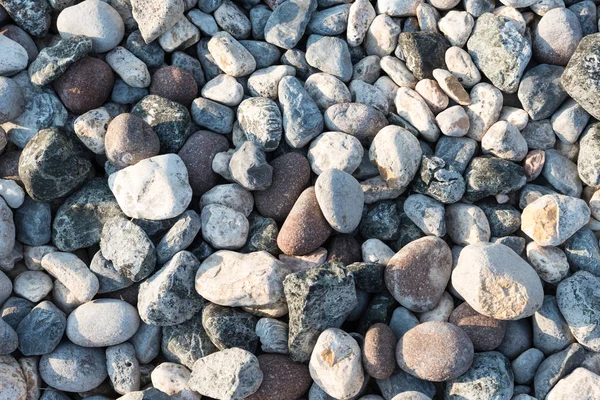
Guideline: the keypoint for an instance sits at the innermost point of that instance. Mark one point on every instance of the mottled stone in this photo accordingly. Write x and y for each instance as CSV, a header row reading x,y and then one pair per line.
x,y
187,342
486,333
228,327
423,51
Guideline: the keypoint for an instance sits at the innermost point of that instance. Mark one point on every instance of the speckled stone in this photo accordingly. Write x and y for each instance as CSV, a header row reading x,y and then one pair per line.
x,y
378,351
174,83
129,139
229,327
197,154
86,85
13,381
31,15
41,330
424,52
486,333
435,351
187,342
283,379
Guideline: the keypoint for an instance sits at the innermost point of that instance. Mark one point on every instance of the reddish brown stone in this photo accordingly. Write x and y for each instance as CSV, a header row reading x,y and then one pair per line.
x,y
85,85
418,274
129,139
486,333
291,175
344,248
435,351
378,351
197,154
283,379
175,84
305,228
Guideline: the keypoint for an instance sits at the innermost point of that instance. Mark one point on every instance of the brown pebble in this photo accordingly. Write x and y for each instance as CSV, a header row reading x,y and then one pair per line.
x,y
435,351
283,379
197,154
129,139
534,164
378,351
175,84
305,228
343,248
85,85
418,274
9,165
291,175
486,333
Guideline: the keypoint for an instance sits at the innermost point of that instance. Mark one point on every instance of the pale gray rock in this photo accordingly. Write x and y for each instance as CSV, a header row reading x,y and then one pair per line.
x,y
504,140
230,56
273,335
335,150
327,90
286,25
155,17
224,227
33,285
555,367
302,120
16,59
428,214
72,273
551,333
265,82
123,368
484,110
569,121
580,384
131,69
556,36
467,224
340,199
329,55
146,342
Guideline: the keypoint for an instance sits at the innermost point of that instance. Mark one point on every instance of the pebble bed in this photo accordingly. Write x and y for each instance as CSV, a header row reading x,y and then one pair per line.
x,y
299,199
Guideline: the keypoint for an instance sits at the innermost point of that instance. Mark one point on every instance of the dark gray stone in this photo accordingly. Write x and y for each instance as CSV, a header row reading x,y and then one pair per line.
x,y
583,252
122,93
423,52
129,248
151,54
33,223
14,310
8,338
456,152
539,135
229,327
53,164
504,219
588,161
259,16
437,179
490,377
168,297
555,367
190,64
41,330
379,310
401,382
297,59
368,276
331,21
489,176
262,235
382,221
187,342
526,364
209,67
517,338
585,11
318,298
212,115
53,61
79,220
550,330
31,15
264,53
109,278
170,120
232,19
540,91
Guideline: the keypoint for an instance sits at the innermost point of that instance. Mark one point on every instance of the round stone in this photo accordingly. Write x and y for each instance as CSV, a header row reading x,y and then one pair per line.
x,y
197,154
175,84
94,19
496,282
378,351
33,285
261,122
340,199
283,379
504,140
335,150
549,262
556,36
435,351
418,274
101,323
172,379
85,85
129,139
12,101
224,227
486,333
73,368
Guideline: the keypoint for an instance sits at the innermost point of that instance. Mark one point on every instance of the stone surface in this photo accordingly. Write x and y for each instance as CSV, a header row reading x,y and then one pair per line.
x,y
555,367
228,328
486,333
378,351
157,17
187,342
580,383
72,273
302,120
51,62
340,199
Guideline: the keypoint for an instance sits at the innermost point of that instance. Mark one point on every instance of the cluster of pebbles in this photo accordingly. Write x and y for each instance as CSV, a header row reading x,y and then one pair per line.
x,y
299,199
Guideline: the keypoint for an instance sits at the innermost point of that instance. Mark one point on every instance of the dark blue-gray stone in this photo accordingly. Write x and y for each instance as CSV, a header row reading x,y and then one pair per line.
x,y
41,330
540,91
14,310
212,115
229,327
190,64
368,276
262,235
302,120
122,93
264,53
583,252
210,68
381,221
31,15
79,220
53,61
401,382
33,223
170,120
258,19
286,26
539,135
151,54
109,278
179,236
187,342
555,367
438,180
489,176
504,219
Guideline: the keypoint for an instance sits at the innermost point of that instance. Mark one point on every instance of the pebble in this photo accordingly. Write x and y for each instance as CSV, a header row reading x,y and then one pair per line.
x,y
305,228
555,367
158,184
10,340
318,299
587,166
510,177
129,139
581,383
504,60
519,295
526,364
569,120
229,328
232,374
556,36
335,150
128,247
375,251
467,224
504,140
223,89
72,273
539,135
187,342
456,27
172,379
335,364
33,285
424,52
420,351
356,119
286,25
102,323
378,351
360,16
540,91
562,216
156,17
549,262
484,110
12,101
12,193
583,252
302,120
340,199
94,19
453,121
265,82
273,335
329,55
91,129
14,384
485,332
490,375
550,330
412,286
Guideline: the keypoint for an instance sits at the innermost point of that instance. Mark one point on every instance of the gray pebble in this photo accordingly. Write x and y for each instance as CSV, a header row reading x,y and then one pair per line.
x,y
556,36
540,91
555,367
330,21
14,310
517,338
569,121
561,173
526,364
249,167
539,135
190,64
213,116
358,120
286,25
229,327
33,223
231,19
261,122
109,278
401,382
122,93
230,56
327,90
123,368
551,333
259,16
72,273
330,55
297,59
8,339
179,236
302,120
265,54
146,342
187,342
223,227
12,101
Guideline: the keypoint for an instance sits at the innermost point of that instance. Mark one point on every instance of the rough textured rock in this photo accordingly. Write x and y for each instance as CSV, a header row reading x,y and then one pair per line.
x,y
318,298
228,327
187,342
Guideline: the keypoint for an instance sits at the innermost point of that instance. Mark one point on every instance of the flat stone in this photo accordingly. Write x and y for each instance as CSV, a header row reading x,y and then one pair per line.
x,y
53,61
302,120
286,25
318,298
340,199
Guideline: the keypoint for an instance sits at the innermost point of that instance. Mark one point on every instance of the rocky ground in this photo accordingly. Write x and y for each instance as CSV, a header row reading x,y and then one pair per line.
x,y
299,199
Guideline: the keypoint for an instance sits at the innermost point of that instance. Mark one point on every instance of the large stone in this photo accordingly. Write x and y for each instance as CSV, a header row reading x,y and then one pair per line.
x,y
496,282
580,78
340,198
287,24
580,384
53,164
540,91
52,61
155,188
555,367
302,119
156,17
233,279
31,15
79,220
229,327
499,50
229,374
418,274
283,379
168,297
41,330
423,51
318,298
